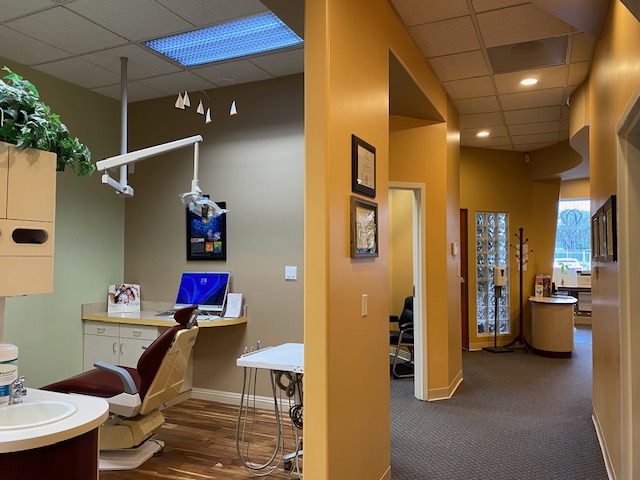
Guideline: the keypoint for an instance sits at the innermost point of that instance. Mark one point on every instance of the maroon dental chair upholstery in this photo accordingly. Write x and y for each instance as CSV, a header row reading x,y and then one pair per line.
x,y
136,394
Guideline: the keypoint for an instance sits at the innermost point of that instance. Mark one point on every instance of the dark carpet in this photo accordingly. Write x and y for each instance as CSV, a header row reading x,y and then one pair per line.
x,y
515,416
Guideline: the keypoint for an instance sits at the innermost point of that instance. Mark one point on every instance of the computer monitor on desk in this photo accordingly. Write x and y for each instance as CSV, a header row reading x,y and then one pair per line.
x,y
207,289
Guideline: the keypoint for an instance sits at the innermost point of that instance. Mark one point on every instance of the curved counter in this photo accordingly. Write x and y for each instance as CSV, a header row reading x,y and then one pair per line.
x,y
64,448
552,325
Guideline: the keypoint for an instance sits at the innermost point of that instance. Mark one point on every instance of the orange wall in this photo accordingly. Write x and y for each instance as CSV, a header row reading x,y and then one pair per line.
x,y
347,419
614,77
498,181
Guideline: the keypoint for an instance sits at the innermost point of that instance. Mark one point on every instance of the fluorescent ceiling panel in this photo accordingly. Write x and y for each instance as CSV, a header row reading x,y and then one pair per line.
x,y
239,38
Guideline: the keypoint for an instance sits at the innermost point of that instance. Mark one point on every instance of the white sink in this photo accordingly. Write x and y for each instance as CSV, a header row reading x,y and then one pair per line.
x,y
34,414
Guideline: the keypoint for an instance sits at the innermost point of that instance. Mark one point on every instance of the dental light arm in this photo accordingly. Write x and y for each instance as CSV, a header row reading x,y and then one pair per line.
x,y
131,157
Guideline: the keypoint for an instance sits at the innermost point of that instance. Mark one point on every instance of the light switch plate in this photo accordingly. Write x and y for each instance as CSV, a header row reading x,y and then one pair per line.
x,y
290,273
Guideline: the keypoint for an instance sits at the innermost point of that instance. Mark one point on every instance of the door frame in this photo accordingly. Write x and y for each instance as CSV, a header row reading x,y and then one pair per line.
x,y
463,274
628,168
420,380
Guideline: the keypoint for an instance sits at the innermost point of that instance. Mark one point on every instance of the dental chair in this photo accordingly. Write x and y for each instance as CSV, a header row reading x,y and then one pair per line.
x,y
135,395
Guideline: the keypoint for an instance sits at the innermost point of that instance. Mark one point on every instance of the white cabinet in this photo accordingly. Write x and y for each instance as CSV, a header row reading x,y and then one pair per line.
x,y
119,344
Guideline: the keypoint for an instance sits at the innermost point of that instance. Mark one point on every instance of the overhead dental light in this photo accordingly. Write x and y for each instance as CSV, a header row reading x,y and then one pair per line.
x,y
195,199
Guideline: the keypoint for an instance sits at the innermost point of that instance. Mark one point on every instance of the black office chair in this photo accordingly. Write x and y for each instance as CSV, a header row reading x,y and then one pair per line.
x,y
403,338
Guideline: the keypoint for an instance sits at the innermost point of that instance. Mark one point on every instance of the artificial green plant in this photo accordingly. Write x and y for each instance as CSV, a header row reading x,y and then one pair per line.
x,y
27,122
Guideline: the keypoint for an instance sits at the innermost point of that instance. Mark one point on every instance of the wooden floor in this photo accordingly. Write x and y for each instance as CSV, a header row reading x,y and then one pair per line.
x,y
200,443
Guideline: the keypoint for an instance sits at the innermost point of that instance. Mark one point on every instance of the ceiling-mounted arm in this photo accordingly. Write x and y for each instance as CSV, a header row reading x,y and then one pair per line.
x,y
131,157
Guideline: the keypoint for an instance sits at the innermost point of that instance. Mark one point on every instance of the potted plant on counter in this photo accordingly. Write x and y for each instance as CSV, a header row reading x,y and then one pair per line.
x,y
27,122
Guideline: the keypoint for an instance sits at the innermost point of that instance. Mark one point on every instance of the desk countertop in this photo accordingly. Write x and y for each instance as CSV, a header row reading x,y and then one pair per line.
x,y
557,300
150,318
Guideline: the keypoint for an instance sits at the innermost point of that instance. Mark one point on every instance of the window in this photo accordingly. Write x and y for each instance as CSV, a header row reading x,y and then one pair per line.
x,y
492,249
573,234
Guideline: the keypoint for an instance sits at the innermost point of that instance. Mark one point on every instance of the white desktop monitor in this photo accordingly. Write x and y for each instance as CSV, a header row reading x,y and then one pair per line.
x,y
208,290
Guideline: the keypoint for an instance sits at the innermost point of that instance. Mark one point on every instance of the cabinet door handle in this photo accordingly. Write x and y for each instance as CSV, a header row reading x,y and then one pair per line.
x,y
137,333
101,329
121,348
114,347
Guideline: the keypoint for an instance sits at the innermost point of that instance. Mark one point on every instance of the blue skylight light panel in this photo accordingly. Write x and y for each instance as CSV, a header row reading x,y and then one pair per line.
x,y
262,33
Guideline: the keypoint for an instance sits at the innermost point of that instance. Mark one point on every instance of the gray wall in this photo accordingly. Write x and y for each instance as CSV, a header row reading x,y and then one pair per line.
x,y
89,240
253,161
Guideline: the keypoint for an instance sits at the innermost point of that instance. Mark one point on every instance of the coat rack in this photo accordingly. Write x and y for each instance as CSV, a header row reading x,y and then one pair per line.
x,y
520,256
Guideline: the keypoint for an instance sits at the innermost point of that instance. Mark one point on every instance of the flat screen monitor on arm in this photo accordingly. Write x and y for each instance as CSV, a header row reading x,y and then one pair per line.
x,y
206,289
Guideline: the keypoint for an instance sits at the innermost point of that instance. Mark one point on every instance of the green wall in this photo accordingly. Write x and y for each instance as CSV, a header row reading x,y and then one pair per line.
x,y
89,240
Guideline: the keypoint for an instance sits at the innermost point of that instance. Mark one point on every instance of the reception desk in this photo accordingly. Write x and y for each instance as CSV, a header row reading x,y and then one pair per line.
x,y
552,325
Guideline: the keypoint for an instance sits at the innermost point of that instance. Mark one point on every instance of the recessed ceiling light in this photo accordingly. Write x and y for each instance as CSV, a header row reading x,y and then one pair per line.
x,y
529,81
262,33
483,133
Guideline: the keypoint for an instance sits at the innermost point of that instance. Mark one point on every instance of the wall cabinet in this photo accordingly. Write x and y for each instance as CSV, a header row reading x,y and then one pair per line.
x,y
118,344
27,216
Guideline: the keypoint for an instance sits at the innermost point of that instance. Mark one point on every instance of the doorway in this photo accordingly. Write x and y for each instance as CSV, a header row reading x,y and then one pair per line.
x,y
406,267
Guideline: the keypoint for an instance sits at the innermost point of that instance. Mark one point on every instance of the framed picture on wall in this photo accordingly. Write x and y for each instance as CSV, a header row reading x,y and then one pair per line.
x,y
207,240
364,228
595,238
611,230
363,167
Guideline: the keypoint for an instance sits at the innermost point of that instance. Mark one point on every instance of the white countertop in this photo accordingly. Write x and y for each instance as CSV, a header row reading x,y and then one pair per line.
x,y
288,357
91,413
555,300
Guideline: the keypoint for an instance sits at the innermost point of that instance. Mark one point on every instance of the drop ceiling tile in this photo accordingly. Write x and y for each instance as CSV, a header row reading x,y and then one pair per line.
x,y
80,72
204,13
548,77
26,50
495,132
173,83
469,88
15,9
480,120
532,115
519,101
564,113
488,142
563,136
564,125
66,30
534,128
446,37
477,105
136,92
417,13
142,63
139,20
582,47
486,5
458,66
531,139
503,147
281,63
519,24
578,72
532,146
239,71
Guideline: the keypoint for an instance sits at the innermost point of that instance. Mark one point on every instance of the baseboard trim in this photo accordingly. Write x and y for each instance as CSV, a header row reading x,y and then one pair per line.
x,y
603,445
233,398
445,393
387,474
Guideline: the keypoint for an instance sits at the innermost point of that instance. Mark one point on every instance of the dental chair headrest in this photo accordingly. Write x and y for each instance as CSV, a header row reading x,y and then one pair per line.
x,y
187,316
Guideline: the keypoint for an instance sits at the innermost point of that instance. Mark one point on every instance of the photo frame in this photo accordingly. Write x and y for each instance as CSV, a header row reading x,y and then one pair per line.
x,y
610,230
363,167
207,240
364,228
595,240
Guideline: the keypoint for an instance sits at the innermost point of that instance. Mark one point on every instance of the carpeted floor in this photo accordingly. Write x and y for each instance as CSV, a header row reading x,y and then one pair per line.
x,y
515,416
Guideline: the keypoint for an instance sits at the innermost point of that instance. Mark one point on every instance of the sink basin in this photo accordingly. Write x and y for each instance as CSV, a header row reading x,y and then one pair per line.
x,y
34,414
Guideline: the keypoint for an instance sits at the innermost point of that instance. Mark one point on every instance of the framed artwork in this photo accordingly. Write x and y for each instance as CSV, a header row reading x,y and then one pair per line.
x,y
363,167
364,228
206,240
601,234
610,229
595,237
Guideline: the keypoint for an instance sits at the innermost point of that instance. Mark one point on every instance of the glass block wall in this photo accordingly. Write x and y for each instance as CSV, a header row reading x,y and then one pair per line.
x,y
492,249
